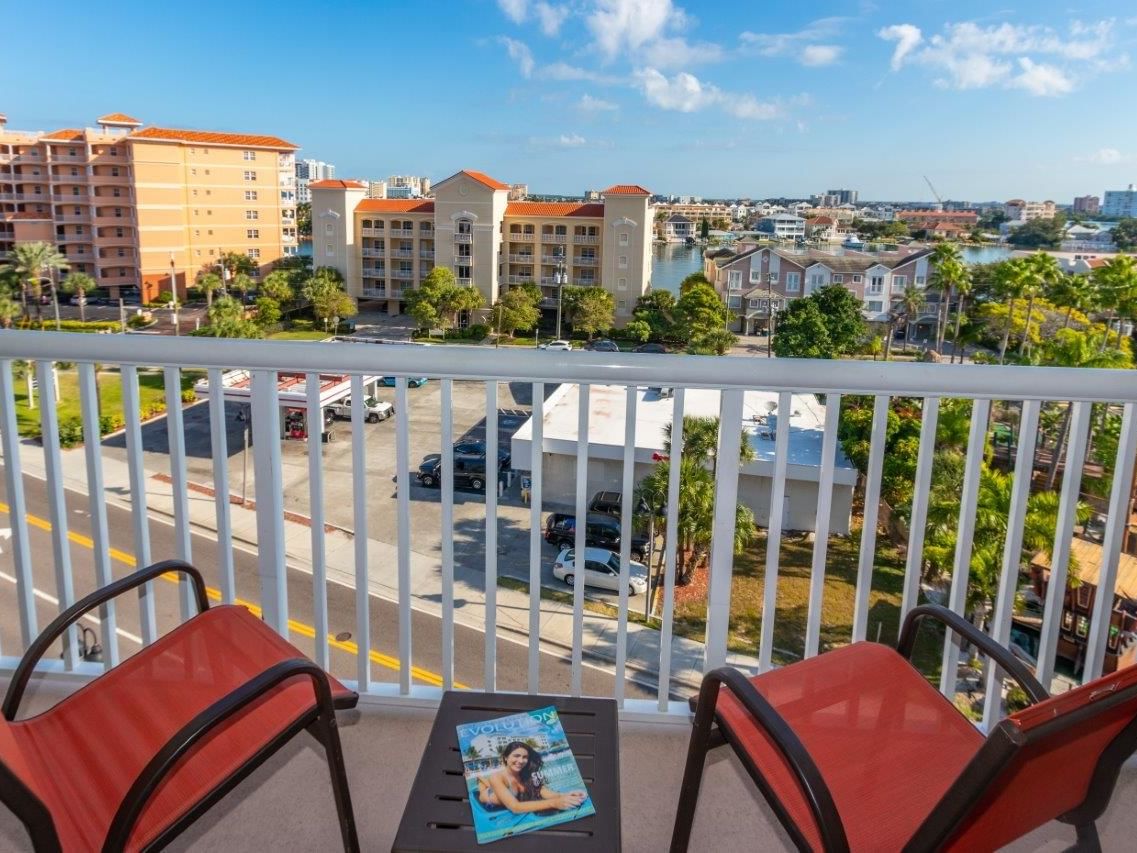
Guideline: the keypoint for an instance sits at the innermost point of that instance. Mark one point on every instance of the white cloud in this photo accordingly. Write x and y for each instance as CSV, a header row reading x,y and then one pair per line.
x,y
589,104
906,36
1106,157
574,140
677,52
550,17
519,52
968,55
619,25
686,93
820,54
563,71
515,10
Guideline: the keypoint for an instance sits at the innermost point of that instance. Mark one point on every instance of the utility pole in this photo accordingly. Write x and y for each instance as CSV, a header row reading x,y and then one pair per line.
x,y
559,281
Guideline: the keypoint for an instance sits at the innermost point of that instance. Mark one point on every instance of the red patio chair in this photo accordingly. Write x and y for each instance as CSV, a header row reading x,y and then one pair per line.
x,y
135,756
855,750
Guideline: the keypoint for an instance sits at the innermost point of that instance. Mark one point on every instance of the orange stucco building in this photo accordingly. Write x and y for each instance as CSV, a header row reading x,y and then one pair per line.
x,y
148,207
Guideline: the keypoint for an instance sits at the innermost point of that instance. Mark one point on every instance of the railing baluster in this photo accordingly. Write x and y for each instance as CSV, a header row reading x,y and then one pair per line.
x,y
219,441
96,502
821,527
1111,545
57,506
17,506
139,514
671,536
722,529
359,533
537,456
1012,556
316,515
176,439
403,509
1060,555
447,472
914,563
868,524
492,475
965,532
579,544
270,501
774,531
626,513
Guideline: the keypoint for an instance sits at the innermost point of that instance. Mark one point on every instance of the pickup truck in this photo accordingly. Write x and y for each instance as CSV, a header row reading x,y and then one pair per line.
x,y
373,410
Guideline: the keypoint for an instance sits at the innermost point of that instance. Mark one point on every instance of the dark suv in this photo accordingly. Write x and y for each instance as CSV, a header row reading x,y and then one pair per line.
x,y
477,447
469,473
603,531
611,503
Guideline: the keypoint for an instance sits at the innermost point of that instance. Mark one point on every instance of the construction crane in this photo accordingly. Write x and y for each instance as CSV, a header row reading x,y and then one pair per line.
x,y
933,189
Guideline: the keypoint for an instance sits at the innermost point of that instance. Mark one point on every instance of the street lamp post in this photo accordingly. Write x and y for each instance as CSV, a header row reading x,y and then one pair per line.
x,y
559,279
770,279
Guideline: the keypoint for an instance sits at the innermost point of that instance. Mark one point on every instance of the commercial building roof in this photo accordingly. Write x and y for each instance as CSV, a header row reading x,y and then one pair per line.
x,y
606,404
1089,556
205,137
395,205
554,208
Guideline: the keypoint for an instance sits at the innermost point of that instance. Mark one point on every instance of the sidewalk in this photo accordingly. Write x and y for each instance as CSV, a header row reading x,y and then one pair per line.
x,y
556,618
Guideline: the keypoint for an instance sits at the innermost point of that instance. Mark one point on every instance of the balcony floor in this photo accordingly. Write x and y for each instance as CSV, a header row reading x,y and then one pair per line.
x,y
288,800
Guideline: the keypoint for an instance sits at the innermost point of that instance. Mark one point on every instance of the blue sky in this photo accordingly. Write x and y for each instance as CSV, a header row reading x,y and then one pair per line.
x,y
706,98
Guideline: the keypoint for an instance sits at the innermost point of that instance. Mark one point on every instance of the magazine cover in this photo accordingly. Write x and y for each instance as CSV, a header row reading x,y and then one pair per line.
x,y
521,774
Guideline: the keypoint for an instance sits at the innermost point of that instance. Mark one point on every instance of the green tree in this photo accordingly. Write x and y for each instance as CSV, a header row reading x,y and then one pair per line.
x,y
909,307
80,284
328,299
1074,293
1124,234
1039,233
1042,272
514,310
962,284
1116,282
656,308
801,332
588,309
711,342
692,280
844,318
268,312
210,283
1012,281
638,330
704,229
10,288
304,219
34,263
439,299
227,319
699,316
242,283
278,285
236,262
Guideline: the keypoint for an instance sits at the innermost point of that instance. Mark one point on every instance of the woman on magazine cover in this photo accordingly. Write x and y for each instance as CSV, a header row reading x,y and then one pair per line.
x,y
519,787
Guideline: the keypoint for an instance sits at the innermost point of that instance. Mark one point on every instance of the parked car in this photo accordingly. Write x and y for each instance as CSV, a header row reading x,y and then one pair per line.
x,y
80,300
602,531
469,473
561,346
389,381
602,345
656,348
601,569
476,447
611,503
373,410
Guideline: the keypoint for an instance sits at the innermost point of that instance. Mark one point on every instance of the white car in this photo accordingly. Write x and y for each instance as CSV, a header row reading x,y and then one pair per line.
x,y
601,568
373,410
562,346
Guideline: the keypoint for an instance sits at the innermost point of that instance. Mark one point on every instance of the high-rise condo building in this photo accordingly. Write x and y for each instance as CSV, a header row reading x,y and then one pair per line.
x,y
308,171
1120,202
148,207
384,247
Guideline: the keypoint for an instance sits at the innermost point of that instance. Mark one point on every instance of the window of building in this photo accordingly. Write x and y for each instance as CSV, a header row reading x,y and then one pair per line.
x,y
250,155
250,195
114,171
207,172
118,232
856,279
464,226
623,238
118,212
74,152
253,253
251,214
193,173
900,280
876,306
329,229
622,305
74,171
876,284
793,282
621,284
195,193
838,278
209,233
623,262
328,250
208,212
209,192
734,280
197,232
736,302
253,234
250,175
919,281
116,192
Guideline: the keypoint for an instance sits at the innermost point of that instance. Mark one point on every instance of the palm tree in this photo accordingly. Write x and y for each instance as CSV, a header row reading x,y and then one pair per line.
x,y
79,283
210,283
910,301
1011,280
944,255
962,285
1042,271
701,441
1116,282
242,283
30,261
1074,293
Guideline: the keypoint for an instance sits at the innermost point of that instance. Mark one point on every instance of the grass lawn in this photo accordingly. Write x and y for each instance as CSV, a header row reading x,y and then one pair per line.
x,y
298,335
151,387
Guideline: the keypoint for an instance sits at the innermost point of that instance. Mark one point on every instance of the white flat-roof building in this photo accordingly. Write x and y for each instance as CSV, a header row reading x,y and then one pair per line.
x,y
606,404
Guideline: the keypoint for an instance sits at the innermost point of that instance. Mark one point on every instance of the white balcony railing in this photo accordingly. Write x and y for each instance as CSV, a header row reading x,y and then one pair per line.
x,y
426,254
554,259
582,261
585,239
453,552
402,274
521,237
463,260
463,238
522,259
554,238
373,253
402,232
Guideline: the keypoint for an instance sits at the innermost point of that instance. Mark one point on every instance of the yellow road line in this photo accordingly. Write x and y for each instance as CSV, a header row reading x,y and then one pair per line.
x,y
352,648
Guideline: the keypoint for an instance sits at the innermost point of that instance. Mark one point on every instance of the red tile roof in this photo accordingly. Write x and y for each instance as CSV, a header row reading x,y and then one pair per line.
x,y
554,208
820,220
68,134
625,189
483,178
395,205
118,118
335,184
166,134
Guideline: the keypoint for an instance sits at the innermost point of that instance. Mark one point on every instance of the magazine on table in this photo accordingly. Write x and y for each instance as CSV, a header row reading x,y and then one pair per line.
x,y
521,774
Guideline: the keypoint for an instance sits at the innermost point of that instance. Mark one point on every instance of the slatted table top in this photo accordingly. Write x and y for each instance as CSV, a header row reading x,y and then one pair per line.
x,y
437,816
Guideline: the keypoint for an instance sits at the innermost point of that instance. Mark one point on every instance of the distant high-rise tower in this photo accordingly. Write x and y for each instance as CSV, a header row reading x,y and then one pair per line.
x,y
311,170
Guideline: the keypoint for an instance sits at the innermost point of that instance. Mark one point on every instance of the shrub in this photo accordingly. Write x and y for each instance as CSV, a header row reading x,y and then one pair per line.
x,y
188,395
165,297
137,321
70,433
477,331
110,423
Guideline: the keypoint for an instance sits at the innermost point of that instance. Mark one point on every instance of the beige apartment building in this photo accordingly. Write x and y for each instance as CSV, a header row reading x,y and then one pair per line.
x,y
149,207
383,247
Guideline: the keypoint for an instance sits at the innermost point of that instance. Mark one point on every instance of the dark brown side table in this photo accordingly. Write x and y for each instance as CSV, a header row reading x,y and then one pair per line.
x,y
437,815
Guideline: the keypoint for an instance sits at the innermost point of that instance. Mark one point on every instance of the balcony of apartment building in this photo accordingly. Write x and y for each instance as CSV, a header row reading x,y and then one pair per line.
x,y
67,154
463,260
585,260
106,214
426,251
402,274
78,213
444,601
586,235
375,271
375,251
120,236
522,233
374,291
112,194
554,234
402,250
372,228
405,229
113,176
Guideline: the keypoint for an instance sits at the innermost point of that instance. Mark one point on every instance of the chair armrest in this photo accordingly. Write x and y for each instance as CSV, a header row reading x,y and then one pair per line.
x,y
797,757
79,609
151,777
954,622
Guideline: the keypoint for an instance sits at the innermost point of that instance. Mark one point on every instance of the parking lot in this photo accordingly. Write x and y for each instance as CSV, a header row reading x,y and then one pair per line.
x,y
514,407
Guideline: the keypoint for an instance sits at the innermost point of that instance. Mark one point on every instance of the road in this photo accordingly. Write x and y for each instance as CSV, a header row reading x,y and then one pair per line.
x,y
512,657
